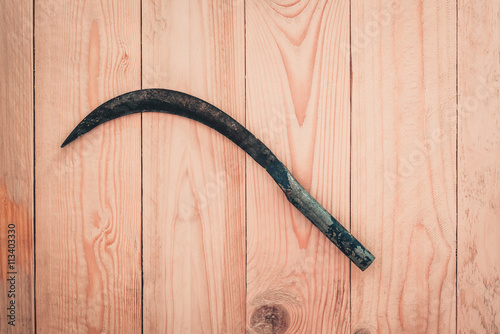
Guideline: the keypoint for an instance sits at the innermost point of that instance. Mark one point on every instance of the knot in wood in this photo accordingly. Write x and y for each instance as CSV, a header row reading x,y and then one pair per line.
x,y
270,319
363,331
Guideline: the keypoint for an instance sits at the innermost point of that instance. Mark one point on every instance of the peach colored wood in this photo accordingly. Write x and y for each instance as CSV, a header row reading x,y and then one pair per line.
x,y
88,195
298,104
404,165
402,193
479,167
194,204
16,164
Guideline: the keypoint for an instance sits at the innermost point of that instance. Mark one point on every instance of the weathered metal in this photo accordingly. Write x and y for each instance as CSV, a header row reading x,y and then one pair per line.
x,y
177,103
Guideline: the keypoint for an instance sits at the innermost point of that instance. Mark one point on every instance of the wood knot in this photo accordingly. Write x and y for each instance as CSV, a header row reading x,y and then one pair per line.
x,y
270,319
362,331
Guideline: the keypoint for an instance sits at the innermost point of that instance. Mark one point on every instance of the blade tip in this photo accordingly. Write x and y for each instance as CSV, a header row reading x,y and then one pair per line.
x,y
68,140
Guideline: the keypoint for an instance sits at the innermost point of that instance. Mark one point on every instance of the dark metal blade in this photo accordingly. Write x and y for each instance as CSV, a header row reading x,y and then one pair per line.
x,y
177,103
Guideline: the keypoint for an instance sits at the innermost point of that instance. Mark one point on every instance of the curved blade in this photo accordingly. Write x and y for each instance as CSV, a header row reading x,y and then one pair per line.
x,y
177,103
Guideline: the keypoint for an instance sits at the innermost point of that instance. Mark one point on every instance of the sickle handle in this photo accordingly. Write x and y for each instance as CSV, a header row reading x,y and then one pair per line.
x,y
320,217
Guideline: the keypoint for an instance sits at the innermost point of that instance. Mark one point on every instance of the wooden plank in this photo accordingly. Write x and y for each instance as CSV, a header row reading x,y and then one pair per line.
x,y
16,167
194,204
404,164
479,167
88,195
298,103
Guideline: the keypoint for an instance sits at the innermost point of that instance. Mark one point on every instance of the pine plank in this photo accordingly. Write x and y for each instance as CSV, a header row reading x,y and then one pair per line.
x,y
88,195
479,167
404,165
298,86
16,167
193,188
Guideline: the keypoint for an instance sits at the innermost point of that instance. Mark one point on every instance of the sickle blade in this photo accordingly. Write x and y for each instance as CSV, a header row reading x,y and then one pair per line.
x,y
181,104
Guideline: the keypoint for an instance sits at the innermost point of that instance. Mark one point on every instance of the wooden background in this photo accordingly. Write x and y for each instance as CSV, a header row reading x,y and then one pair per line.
x,y
387,111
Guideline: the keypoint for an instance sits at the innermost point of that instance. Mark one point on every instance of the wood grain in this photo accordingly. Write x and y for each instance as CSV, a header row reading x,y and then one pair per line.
x,y
298,104
194,204
88,195
16,166
479,167
404,164
389,163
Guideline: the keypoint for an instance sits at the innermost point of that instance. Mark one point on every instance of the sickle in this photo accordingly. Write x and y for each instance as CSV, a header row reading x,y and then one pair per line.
x,y
177,103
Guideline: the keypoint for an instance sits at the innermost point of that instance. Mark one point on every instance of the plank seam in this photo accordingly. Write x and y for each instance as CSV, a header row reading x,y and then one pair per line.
x,y
34,167
142,189
350,155
246,185
456,165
